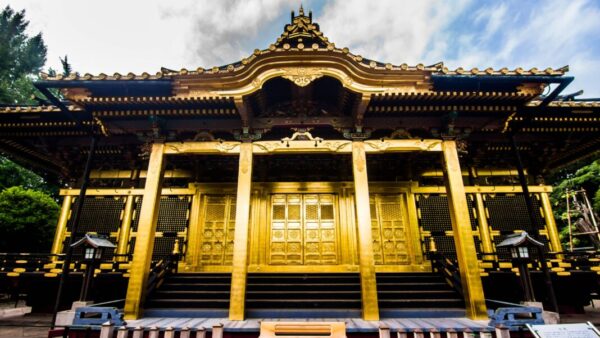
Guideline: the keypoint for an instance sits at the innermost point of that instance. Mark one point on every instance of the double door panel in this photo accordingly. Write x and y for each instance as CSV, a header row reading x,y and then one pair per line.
x,y
303,230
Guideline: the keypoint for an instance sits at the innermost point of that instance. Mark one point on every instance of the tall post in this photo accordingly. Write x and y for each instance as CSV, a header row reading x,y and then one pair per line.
x,y
61,227
193,242
125,228
463,234
484,228
75,225
535,227
550,223
368,282
240,239
144,244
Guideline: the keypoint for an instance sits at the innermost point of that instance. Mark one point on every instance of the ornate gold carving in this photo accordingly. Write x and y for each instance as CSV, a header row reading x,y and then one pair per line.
x,y
302,76
244,161
360,158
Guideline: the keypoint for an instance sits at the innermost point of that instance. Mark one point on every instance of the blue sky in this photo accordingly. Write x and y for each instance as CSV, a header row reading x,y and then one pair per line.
x,y
135,36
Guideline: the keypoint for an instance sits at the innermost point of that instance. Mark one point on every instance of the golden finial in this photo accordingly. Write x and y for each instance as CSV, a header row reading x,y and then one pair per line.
x,y
432,247
301,11
176,247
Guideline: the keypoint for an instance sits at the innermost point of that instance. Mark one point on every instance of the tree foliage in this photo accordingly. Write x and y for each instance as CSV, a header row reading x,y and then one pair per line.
x,y
28,213
27,220
21,58
12,174
587,177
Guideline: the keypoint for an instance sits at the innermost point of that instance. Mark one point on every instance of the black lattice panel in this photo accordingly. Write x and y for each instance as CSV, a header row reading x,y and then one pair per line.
x,y
99,214
508,212
173,214
435,218
435,213
163,247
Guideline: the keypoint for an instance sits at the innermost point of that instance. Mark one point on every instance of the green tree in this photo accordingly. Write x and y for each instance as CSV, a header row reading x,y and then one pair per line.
x,y
21,58
12,174
586,177
27,220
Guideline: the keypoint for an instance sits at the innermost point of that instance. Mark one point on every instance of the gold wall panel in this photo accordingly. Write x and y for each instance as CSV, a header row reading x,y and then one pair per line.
x,y
389,226
303,230
218,227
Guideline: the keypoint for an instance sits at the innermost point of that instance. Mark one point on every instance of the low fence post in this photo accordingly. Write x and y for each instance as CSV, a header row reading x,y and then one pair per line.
x,y
138,332
217,331
154,332
502,332
123,332
107,330
384,332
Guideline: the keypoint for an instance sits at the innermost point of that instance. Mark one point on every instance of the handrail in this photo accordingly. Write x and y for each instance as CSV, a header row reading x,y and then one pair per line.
x,y
109,302
447,268
504,303
161,269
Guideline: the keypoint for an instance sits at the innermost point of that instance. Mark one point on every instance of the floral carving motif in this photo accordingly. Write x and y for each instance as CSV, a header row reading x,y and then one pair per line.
x,y
302,76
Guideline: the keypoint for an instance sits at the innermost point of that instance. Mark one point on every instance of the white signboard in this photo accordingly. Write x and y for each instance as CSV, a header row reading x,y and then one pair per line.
x,y
581,330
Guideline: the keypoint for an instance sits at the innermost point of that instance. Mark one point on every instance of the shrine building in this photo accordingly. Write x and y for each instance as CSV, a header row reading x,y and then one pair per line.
x,y
306,181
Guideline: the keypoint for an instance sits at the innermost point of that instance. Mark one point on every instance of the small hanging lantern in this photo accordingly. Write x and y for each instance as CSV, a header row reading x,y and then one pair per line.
x,y
520,245
94,246
93,249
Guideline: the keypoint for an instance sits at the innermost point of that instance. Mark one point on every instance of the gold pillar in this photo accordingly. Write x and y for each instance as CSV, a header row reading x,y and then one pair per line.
x,y
193,249
142,254
368,283
550,223
484,228
61,227
413,223
125,229
463,235
240,238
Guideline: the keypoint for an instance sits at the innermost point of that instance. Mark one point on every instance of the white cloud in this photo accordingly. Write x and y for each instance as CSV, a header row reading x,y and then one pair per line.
x,y
553,35
136,35
390,30
494,19
220,31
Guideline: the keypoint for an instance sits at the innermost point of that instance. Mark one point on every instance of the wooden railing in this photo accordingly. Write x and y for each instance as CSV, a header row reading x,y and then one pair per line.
x,y
159,271
448,268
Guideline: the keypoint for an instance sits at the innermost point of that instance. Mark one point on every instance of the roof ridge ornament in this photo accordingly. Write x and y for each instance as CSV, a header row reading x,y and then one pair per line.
x,y
301,32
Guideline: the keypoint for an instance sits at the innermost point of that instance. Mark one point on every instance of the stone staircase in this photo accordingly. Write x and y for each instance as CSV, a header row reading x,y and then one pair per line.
x,y
327,295
412,295
191,295
298,295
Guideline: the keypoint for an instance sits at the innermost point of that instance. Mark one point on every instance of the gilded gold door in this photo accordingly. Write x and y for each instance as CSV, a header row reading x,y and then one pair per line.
x,y
218,227
389,228
303,230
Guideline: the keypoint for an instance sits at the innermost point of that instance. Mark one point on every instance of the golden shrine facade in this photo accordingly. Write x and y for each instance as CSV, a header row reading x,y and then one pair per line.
x,y
305,158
